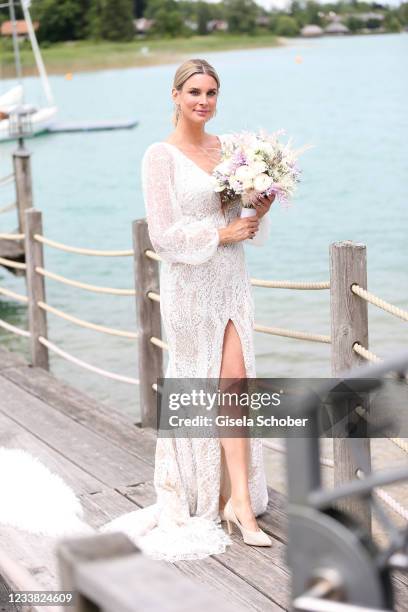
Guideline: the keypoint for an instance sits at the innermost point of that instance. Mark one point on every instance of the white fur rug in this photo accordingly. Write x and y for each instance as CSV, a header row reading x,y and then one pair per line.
x,y
35,499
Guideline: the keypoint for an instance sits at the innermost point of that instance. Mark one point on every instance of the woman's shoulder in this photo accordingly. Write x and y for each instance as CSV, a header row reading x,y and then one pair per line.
x,y
156,151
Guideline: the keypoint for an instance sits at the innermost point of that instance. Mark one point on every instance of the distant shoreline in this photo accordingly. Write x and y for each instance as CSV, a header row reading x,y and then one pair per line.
x,y
87,56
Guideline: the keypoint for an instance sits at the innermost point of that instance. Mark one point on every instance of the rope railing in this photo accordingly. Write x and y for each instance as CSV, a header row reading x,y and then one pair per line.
x,y
363,352
84,364
12,264
12,294
291,333
376,301
152,255
82,323
86,286
280,449
153,296
14,329
8,207
327,462
159,343
7,179
12,236
276,284
275,331
82,251
259,282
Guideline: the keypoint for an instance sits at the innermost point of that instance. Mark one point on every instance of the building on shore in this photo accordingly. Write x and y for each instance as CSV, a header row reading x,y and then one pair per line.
x,y
311,31
336,28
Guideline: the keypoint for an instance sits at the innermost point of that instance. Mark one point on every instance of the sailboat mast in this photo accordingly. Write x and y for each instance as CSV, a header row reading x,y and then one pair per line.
x,y
37,54
15,40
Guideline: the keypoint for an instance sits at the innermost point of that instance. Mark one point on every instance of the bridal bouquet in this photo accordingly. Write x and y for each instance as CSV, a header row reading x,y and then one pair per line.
x,y
254,164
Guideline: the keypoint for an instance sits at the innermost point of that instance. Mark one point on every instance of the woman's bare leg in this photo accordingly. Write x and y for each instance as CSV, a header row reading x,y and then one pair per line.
x,y
236,449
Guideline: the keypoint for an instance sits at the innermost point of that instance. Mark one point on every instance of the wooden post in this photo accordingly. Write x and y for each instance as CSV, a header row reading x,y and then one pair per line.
x,y
22,174
149,323
37,317
349,324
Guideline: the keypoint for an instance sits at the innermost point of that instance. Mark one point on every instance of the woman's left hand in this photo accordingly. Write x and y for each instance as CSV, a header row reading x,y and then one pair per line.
x,y
263,203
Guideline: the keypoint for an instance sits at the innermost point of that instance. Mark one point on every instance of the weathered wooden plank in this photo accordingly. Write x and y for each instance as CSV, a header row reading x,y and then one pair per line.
x,y
14,436
107,505
241,559
10,360
113,425
106,461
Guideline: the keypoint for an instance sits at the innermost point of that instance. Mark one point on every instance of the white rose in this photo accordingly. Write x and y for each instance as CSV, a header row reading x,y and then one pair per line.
x,y
243,173
262,182
248,184
224,167
258,167
235,184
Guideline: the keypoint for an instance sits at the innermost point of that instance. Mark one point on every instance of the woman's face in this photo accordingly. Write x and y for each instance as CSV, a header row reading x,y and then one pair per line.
x,y
197,98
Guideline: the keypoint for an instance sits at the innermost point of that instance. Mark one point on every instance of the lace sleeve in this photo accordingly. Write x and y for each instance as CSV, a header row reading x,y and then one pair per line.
x,y
262,235
174,238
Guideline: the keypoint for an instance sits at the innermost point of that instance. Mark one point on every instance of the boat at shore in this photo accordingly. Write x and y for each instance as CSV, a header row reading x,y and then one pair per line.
x,y
12,104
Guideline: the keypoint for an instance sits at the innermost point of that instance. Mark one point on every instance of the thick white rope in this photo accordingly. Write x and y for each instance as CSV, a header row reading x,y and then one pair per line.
x,y
71,249
15,330
153,296
159,343
95,288
12,236
87,366
280,449
387,498
291,333
12,294
152,255
259,282
12,264
276,331
373,299
82,323
7,179
366,353
8,207
392,503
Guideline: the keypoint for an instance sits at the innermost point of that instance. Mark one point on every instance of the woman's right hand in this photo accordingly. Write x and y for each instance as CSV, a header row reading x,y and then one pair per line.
x,y
239,229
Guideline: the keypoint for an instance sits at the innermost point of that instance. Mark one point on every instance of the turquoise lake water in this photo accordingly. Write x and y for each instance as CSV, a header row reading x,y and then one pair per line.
x,y
347,97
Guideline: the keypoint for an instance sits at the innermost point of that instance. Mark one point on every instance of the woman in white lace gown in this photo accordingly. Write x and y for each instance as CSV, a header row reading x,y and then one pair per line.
x,y
208,316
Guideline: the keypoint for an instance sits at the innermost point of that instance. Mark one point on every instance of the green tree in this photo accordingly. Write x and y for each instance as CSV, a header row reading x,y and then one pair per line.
x,y
402,12
116,20
354,24
286,26
391,23
312,12
167,18
60,20
241,16
203,16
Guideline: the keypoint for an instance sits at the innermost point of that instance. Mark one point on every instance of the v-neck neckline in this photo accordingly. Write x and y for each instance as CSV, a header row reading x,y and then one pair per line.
x,y
192,161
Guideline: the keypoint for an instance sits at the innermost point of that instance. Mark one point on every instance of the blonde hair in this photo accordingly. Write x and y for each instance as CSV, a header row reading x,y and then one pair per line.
x,y
185,71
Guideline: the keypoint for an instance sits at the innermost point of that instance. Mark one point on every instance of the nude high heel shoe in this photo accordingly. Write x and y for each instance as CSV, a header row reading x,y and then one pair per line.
x,y
253,538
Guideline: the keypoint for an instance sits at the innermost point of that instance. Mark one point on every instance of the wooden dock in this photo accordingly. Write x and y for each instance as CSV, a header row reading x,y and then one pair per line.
x,y
109,461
